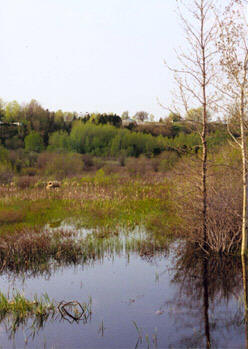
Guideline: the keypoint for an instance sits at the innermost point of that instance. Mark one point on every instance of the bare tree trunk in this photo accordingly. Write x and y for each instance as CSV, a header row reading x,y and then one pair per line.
x,y
194,76
244,177
204,134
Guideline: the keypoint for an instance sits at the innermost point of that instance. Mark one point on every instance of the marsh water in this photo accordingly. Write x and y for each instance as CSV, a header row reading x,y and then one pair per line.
x,y
142,295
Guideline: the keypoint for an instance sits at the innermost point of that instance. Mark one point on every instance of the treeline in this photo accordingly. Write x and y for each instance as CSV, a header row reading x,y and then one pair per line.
x,y
33,128
105,140
35,141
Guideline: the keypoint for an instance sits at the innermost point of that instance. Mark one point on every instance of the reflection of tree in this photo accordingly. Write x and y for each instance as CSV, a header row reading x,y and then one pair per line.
x,y
204,283
224,274
245,287
206,300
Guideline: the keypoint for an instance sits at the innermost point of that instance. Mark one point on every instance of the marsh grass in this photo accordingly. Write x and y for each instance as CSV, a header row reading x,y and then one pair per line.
x,y
39,252
18,309
11,216
107,204
99,200
168,206
33,314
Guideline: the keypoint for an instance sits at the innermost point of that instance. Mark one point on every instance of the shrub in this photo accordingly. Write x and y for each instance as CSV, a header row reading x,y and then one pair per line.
x,y
59,141
224,205
6,173
167,160
60,165
138,166
4,154
88,161
20,159
14,143
110,168
34,142
29,171
98,163
24,182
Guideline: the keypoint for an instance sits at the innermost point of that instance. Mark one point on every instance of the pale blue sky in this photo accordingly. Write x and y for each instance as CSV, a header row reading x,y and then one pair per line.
x,y
88,55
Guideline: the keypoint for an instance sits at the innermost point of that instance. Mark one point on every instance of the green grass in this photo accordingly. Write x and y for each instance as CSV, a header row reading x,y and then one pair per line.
x,y
109,208
19,307
92,202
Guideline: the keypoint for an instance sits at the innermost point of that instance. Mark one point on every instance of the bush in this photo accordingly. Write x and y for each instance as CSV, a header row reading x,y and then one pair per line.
x,y
14,143
224,205
60,165
138,167
6,173
4,154
29,171
59,141
110,168
98,163
34,142
24,182
167,161
88,161
20,159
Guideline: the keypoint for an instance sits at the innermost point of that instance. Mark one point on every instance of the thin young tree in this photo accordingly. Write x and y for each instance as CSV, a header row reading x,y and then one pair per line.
x,y
195,74
232,45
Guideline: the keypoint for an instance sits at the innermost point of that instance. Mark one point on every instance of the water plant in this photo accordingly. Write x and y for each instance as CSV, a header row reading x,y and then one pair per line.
x,y
18,309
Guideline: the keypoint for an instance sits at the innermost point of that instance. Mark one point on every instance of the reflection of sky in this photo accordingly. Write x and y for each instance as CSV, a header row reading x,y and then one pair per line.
x,y
124,290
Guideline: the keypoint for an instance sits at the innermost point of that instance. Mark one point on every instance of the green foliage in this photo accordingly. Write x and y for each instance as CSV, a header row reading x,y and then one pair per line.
x,y
174,117
12,112
14,143
34,142
2,109
168,160
217,138
89,138
59,140
21,307
195,115
4,155
104,119
98,134
107,140
184,142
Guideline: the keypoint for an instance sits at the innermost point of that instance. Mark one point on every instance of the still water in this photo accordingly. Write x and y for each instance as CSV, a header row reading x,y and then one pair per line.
x,y
168,299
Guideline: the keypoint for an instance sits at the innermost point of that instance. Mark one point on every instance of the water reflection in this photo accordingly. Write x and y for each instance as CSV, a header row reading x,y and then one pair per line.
x,y
83,247
206,285
245,287
188,299
206,301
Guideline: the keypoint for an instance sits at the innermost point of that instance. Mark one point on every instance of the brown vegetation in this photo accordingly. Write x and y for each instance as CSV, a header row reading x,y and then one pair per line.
x,y
224,205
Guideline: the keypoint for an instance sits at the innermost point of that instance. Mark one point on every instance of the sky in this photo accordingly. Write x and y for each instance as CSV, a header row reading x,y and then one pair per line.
x,y
89,55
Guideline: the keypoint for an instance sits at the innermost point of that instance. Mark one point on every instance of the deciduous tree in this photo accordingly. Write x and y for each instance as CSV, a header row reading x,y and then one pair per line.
x,y
232,45
195,74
